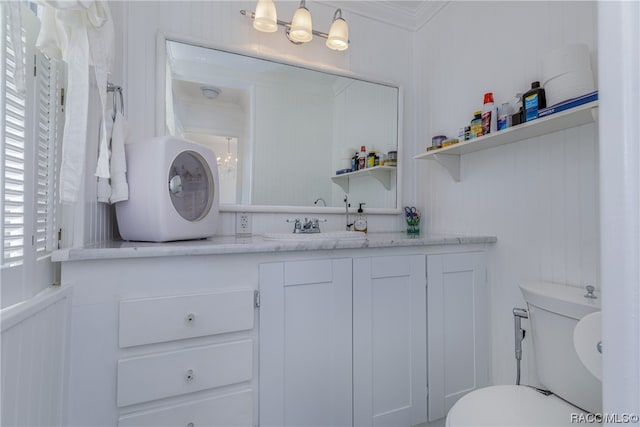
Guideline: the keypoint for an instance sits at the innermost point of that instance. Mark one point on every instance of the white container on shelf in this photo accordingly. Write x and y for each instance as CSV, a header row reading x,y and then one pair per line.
x,y
566,73
569,85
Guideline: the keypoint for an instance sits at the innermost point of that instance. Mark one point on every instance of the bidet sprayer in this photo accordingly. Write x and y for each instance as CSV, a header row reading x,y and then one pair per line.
x,y
518,315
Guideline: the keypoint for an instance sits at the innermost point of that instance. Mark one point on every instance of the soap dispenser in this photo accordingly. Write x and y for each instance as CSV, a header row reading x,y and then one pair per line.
x,y
360,224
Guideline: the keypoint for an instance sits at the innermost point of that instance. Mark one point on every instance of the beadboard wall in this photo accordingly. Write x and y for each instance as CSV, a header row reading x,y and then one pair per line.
x,y
539,196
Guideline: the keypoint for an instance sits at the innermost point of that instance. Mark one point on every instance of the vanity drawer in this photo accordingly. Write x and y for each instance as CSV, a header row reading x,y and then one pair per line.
x,y
234,409
156,376
153,320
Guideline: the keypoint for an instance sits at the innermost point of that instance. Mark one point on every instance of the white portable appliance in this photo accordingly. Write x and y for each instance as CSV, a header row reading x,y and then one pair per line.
x,y
173,191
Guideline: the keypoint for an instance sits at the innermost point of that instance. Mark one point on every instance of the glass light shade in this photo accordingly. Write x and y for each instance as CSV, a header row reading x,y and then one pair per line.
x,y
265,19
301,26
338,35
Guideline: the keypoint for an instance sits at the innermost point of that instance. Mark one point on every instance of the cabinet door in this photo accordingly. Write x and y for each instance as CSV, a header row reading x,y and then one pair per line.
x,y
389,331
305,343
458,339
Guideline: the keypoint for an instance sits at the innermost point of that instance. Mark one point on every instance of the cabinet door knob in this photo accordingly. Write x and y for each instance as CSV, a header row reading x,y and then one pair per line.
x,y
191,425
189,375
190,318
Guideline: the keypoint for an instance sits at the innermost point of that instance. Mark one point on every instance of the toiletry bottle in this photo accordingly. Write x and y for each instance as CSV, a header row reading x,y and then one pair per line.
x,y
533,100
371,159
354,162
504,116
516,107
360,224
476,125
362,158
489,115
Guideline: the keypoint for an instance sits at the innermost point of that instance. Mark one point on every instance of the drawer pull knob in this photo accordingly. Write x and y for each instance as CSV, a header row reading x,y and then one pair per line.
x,y
190,318
189,376
191,425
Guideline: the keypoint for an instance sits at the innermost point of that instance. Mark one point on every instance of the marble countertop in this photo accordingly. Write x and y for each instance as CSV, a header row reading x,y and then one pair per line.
x,y
224,245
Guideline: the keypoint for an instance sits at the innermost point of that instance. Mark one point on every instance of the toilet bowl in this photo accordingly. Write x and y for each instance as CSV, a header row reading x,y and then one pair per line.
x,y
512,405
554,311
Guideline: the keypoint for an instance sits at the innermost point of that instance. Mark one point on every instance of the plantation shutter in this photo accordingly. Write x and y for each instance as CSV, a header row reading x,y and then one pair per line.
x,y
31,132
49,131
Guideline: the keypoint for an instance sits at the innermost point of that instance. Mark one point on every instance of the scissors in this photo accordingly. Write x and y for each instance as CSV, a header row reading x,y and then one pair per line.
x,y
411,211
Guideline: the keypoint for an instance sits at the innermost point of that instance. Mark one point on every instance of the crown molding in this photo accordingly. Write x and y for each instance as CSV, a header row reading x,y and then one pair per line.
x,y
409,15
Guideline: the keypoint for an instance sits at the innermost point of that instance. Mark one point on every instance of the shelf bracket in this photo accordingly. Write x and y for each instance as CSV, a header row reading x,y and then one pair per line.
x,y
383,176
451,162
343,182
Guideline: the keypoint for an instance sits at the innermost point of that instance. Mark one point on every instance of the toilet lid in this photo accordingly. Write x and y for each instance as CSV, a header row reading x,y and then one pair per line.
x,y
511,405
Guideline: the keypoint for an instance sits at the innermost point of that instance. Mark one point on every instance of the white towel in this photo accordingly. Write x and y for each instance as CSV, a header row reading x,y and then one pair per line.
x,y
118,164
82,31
115,189
103,189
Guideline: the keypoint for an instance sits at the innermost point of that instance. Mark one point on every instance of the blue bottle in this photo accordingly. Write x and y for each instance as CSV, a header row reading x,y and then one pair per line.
x,y
532,101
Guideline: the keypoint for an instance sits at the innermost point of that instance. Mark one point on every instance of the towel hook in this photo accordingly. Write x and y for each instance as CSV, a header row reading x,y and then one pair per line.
x,y
114,88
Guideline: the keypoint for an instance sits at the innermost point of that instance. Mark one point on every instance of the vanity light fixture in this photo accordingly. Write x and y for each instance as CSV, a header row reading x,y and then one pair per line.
x,y
300,29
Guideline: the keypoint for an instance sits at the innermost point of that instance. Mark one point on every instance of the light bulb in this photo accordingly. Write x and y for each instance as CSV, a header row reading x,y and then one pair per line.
x,y
265,18
301,25
339,33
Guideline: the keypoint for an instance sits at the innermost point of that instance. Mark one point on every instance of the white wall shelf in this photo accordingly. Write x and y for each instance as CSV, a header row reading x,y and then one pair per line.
x,y
381,173
449,157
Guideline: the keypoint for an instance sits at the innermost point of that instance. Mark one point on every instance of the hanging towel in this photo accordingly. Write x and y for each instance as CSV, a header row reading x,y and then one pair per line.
x,y
103,189
118,164
82,32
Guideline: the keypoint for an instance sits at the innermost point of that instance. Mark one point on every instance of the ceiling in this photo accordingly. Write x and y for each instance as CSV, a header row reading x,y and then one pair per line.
x,y
411,14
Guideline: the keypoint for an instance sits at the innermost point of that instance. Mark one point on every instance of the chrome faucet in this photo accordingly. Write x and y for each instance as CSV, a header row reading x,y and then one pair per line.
x,y
346,210
320,199
308,226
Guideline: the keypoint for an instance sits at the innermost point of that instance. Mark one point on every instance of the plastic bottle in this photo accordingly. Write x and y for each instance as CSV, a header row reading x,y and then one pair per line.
x,y
360,224
476,125
489,115
533,100
354,162
362,158
371,159
516,107
504,116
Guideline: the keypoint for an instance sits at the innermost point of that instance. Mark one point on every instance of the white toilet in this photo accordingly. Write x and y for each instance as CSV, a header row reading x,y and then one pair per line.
x,y
554,312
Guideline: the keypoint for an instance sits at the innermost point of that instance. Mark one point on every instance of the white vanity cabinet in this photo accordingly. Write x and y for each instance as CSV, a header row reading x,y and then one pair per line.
x,y
305,343
389,341
248,334
314,338
458,328
163,342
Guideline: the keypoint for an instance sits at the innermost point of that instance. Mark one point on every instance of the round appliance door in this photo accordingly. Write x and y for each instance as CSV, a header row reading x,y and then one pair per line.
x,y
191,186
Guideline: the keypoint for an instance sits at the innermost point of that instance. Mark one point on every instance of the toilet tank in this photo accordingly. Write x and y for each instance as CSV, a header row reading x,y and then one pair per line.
x,y
554,311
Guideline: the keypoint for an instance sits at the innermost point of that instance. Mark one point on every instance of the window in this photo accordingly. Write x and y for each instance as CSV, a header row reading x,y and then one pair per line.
x,y
30,132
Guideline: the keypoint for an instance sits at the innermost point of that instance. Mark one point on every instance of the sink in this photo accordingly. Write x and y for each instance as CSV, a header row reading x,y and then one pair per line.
x,y
324,235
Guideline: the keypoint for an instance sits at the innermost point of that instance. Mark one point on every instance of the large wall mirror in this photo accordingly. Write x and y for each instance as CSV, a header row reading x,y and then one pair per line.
x,y
281,131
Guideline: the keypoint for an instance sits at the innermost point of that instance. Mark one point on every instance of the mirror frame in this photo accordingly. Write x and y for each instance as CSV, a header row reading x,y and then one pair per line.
x,y
161,58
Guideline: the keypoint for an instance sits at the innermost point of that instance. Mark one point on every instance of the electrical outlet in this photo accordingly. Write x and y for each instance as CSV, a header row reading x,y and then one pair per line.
x,y
243,223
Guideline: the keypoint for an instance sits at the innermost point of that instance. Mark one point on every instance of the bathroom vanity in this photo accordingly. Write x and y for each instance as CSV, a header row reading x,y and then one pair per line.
x,y
243,331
